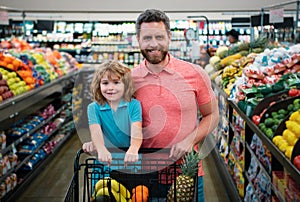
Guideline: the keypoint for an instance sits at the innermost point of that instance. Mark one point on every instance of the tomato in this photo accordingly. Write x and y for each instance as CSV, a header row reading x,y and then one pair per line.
x,y
293,92
296,162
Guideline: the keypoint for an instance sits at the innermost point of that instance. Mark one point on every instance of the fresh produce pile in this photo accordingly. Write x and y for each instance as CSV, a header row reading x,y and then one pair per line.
x,y
229,62
247,68
5,92
109,189
24,68
287,140
251,78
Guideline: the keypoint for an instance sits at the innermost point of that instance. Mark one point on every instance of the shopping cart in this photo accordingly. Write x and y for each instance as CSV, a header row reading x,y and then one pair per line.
x,y
154,171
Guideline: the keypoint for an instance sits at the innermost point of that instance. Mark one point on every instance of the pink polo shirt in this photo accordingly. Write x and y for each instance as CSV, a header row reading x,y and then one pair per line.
x,y
169,101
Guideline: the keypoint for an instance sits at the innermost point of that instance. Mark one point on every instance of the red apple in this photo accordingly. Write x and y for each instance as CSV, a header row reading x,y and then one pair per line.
x,y
296,162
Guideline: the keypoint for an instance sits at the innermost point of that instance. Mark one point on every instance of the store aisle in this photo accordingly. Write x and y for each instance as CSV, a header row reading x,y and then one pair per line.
x,y
51,185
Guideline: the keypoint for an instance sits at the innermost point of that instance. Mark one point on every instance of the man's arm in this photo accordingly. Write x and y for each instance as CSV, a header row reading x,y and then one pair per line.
x,y
210,119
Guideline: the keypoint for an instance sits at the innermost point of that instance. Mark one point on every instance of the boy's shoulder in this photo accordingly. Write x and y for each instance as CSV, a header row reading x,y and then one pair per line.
x,y
134,101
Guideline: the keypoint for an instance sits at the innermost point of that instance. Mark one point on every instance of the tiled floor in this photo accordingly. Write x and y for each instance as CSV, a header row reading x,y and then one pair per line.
x,y
51,185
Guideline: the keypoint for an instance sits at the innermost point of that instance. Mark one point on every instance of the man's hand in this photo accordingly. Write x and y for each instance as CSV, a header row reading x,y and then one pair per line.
x,y
181,148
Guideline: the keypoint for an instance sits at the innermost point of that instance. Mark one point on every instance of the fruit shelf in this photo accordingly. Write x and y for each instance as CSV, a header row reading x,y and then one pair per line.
x,y
19,107
237,119
12,107
287,164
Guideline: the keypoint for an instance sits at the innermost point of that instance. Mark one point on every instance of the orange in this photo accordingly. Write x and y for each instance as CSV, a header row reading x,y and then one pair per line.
x,y
140,194
10,66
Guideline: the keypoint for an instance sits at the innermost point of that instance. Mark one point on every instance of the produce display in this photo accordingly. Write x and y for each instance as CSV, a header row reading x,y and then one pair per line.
x,y
286,141
264,83
25,68
240,71
5,92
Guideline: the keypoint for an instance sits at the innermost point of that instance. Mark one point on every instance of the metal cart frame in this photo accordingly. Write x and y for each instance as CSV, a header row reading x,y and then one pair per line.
x,y
159,181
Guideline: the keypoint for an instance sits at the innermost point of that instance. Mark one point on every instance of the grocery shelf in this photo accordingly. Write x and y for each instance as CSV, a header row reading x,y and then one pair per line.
x,y
282,159
259,163
20,139
39,167
12,107
225,176
251,184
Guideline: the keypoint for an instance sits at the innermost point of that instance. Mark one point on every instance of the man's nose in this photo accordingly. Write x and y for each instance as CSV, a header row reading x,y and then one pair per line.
x,y
153,42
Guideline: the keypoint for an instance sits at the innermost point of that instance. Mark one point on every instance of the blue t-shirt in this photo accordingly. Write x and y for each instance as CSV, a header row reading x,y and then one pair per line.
x,y
115,125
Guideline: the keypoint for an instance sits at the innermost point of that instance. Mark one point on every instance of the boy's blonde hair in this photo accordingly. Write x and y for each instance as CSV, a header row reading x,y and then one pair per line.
x,y
112,68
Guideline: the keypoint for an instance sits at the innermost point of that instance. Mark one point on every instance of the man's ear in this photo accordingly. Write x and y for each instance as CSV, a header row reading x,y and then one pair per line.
x,y
170,35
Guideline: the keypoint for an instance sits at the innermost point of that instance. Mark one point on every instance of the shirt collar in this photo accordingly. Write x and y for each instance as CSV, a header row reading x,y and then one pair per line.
x,y
169,68
122,103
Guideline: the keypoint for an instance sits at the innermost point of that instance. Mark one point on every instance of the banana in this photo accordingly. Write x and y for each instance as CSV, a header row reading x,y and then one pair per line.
x,y
116,186
103,192
101,183
120,188
118,196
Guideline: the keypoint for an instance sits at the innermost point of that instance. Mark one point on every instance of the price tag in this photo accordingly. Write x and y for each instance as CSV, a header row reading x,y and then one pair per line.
x,y
4,18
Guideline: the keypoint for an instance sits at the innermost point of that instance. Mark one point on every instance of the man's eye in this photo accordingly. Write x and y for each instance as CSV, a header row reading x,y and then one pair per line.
x,y
160,37
147,38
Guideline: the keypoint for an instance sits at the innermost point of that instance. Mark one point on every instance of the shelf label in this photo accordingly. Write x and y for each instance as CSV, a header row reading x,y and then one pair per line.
x,y
4,18
14,150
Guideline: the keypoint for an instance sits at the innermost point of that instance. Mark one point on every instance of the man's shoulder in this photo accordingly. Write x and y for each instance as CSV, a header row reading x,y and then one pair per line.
x,y
184,66
136,70
181,62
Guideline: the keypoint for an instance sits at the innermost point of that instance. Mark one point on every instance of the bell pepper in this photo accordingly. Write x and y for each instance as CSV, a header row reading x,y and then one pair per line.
x,y
256,119
294,92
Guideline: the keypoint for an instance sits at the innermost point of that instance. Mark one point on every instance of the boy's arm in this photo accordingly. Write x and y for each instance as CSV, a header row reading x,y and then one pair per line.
x,y
135,143
97,138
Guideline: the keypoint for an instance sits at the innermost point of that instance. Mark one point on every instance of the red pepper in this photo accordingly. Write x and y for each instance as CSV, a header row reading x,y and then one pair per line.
x,y
293,92
256,119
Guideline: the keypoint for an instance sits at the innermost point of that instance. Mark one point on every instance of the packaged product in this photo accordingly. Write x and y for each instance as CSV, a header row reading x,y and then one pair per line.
x,y
2,189
13,178
8,183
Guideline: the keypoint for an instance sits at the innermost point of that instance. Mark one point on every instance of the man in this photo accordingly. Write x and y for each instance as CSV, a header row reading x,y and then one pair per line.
x,y
233,36
171,92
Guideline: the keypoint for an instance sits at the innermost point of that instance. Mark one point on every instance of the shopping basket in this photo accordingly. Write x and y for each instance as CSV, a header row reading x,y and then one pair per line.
x,y
153,171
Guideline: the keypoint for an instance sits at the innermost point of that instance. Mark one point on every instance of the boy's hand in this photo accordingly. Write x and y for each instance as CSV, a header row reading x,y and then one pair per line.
x,y
88,147
104,156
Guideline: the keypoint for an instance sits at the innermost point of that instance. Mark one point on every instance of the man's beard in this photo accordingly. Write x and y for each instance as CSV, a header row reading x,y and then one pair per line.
x,y
154,60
